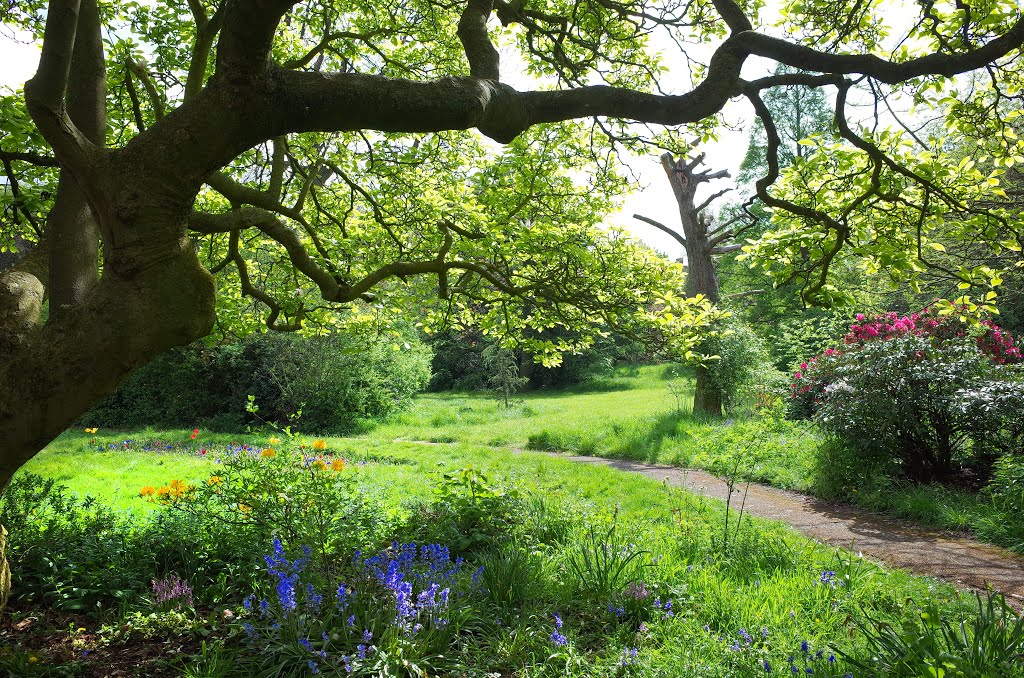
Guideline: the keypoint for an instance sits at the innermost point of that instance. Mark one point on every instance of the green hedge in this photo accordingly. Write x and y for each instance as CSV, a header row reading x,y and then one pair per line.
x,y
335,382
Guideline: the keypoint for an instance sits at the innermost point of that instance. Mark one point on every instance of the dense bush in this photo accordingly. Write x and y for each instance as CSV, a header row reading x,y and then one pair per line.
x,y
799,336
917,395
302,496
334,381
76,554
741,370
459,364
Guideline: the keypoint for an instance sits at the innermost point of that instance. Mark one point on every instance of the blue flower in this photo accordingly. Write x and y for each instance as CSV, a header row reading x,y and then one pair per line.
x,y
767,666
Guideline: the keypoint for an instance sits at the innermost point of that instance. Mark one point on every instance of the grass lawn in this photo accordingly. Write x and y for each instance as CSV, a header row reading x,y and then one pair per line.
x,y
629,414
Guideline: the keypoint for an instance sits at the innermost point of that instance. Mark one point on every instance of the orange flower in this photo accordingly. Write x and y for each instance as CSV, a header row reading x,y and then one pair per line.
x,y
214,480
319,444
243,507
147,491
269,452
178,488
338,464
320,464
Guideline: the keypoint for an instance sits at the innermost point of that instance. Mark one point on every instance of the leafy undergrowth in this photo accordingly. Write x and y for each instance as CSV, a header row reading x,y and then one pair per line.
x,y
467,560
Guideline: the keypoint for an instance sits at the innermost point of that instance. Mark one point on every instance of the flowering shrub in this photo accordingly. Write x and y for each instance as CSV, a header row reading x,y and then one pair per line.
x,y
302,497
392,612
171,593
917,394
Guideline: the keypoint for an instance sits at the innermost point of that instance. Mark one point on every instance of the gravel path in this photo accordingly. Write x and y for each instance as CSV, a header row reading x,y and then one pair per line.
x,y
896,543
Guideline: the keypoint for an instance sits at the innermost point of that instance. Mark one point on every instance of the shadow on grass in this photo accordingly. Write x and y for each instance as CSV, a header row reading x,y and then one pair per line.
x,y
638,440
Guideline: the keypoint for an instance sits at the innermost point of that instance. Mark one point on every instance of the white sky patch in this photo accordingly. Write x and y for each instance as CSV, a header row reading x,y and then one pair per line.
x,y
19,59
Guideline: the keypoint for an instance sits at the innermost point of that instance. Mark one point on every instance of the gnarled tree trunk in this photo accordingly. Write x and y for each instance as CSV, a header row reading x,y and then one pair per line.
x,y
702,243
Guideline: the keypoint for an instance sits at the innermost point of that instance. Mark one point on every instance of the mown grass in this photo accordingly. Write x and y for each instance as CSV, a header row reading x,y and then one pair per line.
x,y
629,414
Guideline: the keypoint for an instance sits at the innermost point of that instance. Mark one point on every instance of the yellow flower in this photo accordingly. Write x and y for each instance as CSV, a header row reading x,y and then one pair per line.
x,y
243,507
269,452
320,464
91,430
338,464
319,444
147,491
163,491
214,480
275,441
32,659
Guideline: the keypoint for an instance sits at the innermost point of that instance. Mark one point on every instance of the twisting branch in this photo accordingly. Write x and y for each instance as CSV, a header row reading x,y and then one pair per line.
x,y
938,63
480,52
250,290
762,184
31,158
140,72
207,28
657,224
240,194
45,91
12,181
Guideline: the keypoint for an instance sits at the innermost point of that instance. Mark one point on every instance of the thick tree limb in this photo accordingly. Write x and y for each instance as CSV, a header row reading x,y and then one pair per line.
x,y
206,32
72,231
733,15
45,91
480,52
240,194
247,34
938,63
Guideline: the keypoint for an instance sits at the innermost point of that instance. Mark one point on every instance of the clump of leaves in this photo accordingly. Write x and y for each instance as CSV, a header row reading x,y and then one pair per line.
x,y
989,644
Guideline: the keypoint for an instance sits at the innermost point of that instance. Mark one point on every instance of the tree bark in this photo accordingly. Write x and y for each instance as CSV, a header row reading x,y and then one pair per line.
x,y
701,275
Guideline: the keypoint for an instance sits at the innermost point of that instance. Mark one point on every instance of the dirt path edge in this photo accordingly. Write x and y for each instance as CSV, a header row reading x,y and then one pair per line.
x,y
897,543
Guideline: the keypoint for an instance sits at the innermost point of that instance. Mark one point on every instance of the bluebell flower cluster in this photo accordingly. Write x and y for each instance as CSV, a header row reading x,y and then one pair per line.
x,y
419,579
809,662
557,637
288,573
628,656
